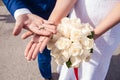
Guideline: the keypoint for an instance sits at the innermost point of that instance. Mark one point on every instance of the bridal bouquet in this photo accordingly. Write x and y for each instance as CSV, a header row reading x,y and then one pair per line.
x,y
73,42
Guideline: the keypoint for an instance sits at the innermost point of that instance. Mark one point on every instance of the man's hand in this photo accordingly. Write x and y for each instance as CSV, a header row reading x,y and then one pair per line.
x,y
33,23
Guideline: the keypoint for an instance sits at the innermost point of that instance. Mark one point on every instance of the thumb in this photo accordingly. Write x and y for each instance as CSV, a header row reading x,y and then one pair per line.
x,y
17,29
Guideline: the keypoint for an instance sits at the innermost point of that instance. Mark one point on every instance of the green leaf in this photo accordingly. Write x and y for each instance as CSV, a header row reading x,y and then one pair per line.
x,y
91,50
68,63
91,36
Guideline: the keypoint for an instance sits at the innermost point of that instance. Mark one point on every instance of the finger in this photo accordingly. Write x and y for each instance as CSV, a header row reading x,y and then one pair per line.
x,y
26,34
50,25
29,56
28,48
41,38
50,28
35,53
38,39
17,29
27,28
44,43
39,32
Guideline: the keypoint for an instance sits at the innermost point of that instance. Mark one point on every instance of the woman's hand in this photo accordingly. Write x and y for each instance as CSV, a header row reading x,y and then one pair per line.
x,y
36,44
47,26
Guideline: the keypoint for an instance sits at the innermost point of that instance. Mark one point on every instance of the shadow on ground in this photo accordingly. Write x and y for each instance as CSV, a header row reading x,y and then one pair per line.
x,y
7,18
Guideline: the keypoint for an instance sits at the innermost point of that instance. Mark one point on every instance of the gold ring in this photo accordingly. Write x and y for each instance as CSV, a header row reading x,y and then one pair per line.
x,y
41,27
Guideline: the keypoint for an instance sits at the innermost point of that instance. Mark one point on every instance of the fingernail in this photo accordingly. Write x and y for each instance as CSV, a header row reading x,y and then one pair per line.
x,y
33,58
14,34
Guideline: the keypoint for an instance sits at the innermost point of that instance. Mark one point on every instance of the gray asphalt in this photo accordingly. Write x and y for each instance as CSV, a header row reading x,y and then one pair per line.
x,y
13,65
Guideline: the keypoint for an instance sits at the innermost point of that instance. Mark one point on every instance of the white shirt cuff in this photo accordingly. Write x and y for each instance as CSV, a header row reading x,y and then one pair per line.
x,y
21,11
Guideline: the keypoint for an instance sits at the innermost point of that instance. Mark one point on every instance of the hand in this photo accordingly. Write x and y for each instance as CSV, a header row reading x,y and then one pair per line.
x,y
47,26
37,43
33,23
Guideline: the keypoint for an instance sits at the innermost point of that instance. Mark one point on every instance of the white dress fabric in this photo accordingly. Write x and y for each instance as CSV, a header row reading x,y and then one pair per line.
x,y
93,11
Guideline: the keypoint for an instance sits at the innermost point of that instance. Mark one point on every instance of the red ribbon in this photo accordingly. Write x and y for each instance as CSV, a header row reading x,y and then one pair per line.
x,y
76,73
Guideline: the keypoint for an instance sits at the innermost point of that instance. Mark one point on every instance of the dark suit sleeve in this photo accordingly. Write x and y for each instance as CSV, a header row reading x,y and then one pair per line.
x,y
13,5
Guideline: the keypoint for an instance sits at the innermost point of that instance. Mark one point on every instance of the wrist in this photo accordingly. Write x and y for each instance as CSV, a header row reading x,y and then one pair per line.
x,y
22,17
21,11
96,34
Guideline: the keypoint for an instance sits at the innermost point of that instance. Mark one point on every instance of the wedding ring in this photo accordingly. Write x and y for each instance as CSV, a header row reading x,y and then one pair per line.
x,y
41,27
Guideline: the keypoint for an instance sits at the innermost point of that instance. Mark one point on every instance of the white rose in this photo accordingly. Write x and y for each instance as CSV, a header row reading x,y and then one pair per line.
x,y
64,29
86,55
88,58
51,43
65,20
56,53
86,30
59,61
56,37
75,49
75,35
87,43
65,55
75,20
76,61
76,23
71,42
63,43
